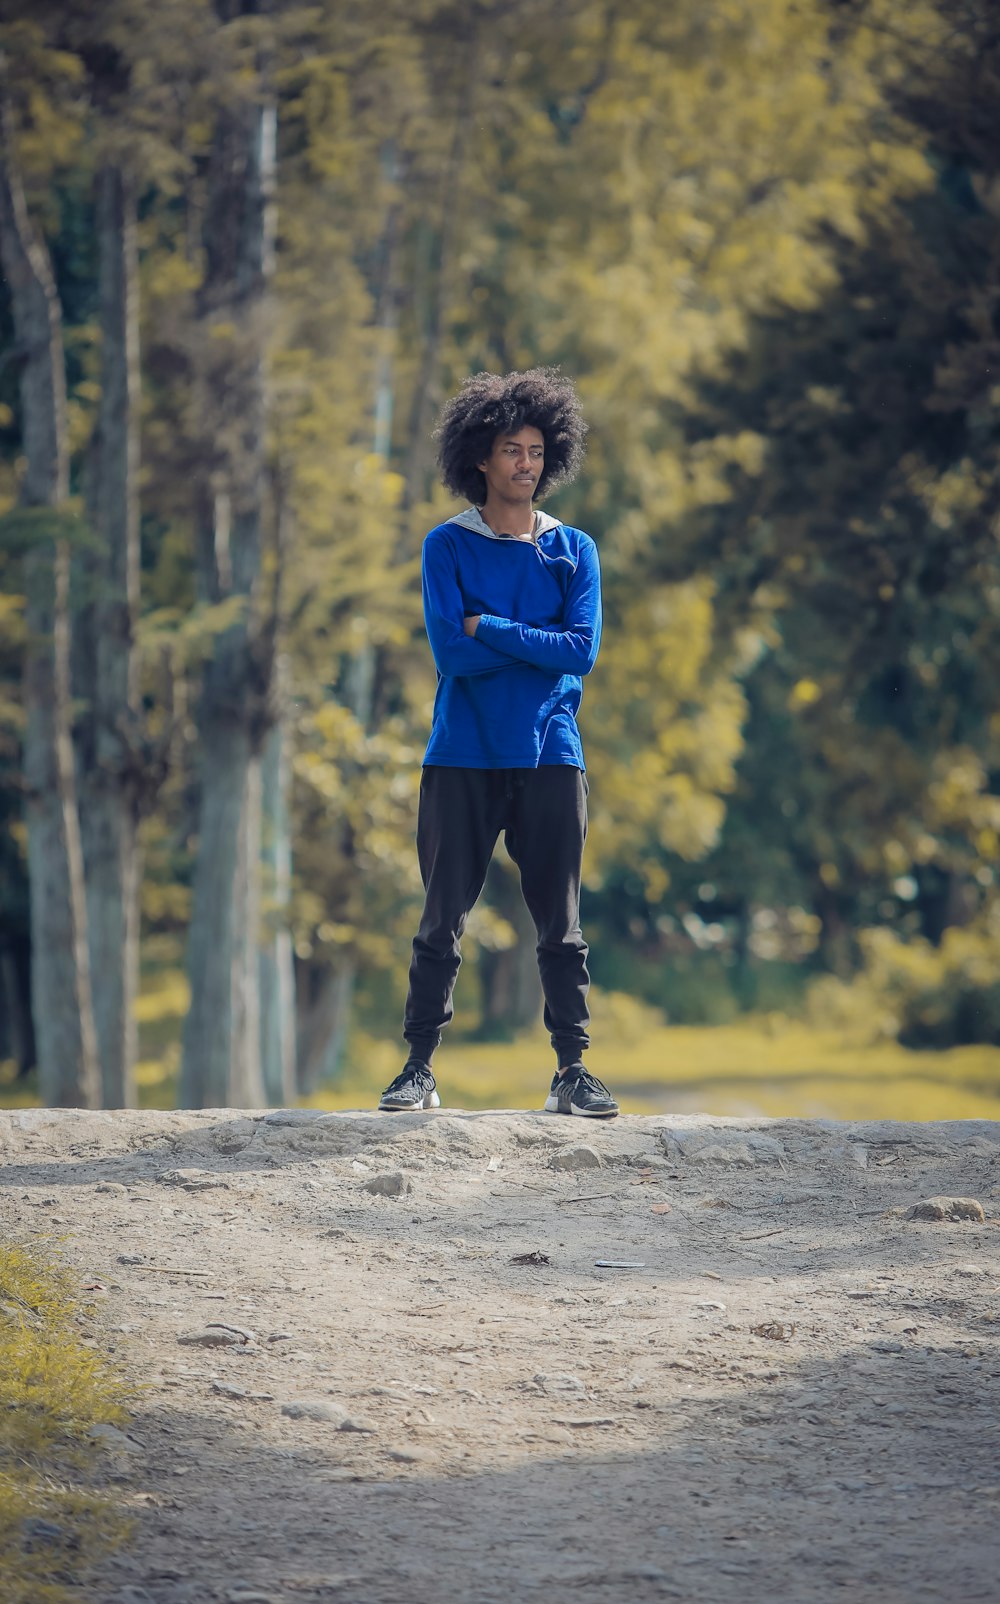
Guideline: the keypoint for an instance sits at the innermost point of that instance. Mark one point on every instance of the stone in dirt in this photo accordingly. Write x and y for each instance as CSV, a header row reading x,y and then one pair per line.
x,y
592,1420
720,1146
314,1409
235,1136
389,1185
225,1389
558,1381
44,1531
191,1180
216,1336
576,1158
947,1208
111,1437
330,1414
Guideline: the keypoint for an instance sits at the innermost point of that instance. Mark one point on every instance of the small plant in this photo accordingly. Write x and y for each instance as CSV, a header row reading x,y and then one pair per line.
x,y
53,1391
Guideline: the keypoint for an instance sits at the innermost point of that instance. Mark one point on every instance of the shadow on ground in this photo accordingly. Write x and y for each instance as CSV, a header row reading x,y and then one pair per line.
x,y
798,1492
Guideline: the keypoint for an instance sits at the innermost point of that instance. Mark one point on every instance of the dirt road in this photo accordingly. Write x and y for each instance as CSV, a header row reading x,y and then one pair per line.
x,y
381,1359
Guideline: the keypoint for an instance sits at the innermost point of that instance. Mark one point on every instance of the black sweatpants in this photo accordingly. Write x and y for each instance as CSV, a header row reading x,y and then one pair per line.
x,y
543,815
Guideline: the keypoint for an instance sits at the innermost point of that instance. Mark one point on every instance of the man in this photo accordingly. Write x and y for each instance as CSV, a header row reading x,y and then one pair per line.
x,y
512,604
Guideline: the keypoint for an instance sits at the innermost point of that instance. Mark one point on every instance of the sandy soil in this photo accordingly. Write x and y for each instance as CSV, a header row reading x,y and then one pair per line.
x,y
431,1389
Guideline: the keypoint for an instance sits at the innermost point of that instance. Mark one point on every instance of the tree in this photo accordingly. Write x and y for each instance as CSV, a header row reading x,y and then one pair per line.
x,y
112,783
868,528
222,1031
61,993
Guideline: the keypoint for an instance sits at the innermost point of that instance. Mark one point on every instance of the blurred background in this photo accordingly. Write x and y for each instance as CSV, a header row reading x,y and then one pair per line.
x,y
248,249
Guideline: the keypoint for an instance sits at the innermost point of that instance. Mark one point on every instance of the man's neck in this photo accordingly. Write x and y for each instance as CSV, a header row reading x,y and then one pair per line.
x,y
515,518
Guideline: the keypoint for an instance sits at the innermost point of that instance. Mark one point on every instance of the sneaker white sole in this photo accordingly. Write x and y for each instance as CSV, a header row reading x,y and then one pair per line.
x,y
552,1107
432,1100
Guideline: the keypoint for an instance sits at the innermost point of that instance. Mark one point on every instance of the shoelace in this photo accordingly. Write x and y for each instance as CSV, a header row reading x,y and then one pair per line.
x,y
421,1078
591,1083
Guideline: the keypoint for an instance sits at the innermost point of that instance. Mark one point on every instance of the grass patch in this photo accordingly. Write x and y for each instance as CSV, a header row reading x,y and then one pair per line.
x,y
54,1525
761,1065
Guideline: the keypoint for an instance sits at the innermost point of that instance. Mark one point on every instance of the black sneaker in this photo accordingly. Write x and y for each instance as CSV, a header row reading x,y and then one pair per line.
x,y
577,1092
412,1088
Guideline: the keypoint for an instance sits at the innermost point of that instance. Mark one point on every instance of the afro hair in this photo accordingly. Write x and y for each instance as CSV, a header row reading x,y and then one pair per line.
x,y
489,404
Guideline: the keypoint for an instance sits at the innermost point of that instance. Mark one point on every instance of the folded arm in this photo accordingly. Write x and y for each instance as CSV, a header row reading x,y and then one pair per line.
x,y
570,650
455,653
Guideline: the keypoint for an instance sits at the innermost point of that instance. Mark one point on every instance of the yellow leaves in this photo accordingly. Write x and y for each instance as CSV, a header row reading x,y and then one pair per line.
x,y
988,844
169,275
54,1392
167,995
662,733
804,693
954,497
189,636
907,168
959,797
895,857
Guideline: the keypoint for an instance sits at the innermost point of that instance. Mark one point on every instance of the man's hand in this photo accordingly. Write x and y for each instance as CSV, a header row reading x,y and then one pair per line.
x,y
471,623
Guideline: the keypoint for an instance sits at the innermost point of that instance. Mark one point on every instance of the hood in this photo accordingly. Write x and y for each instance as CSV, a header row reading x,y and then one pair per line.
x,y
472,519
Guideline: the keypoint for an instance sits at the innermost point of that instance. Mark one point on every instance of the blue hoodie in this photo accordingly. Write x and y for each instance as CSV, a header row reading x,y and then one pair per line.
x,y
508,697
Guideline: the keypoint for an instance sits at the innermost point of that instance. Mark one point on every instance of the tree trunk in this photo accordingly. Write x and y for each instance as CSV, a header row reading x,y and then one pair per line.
x,y
221,1056
510,989
17,1036
246,1084
323,1022
109,803
61,997
836,944
426,392
277,971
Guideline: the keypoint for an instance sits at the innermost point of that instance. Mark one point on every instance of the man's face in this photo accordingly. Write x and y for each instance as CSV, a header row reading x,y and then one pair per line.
x,y
514,466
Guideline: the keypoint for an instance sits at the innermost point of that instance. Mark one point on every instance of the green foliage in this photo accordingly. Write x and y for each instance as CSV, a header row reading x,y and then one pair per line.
x,y
54,1392
758,1065
24,528
921,995
663,726
765,240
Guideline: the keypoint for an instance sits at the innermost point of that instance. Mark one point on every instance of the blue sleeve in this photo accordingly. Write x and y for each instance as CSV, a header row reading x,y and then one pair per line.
x,y
570,650
455,653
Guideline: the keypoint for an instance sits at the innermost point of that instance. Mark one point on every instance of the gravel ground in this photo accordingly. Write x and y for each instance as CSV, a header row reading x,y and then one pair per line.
x,y
504,1357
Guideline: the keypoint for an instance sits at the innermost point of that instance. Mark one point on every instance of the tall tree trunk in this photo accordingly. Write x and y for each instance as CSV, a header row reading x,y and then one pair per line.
x,y
221,1056
510,988
17,1036
61,998
277,971
427,389
324,1018
246,1083
109,803
215,951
